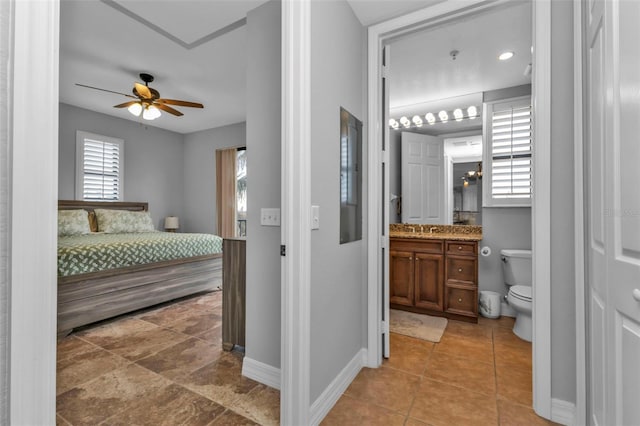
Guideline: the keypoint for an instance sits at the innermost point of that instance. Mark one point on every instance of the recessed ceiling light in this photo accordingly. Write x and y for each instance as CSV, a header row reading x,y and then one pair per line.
x,y
505,55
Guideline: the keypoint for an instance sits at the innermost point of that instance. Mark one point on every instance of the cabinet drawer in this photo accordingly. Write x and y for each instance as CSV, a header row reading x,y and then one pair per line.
x,y
462,248
462,269
461,300
416,245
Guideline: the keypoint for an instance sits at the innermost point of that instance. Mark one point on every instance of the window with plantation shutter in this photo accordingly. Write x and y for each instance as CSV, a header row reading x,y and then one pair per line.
x,y
507,168
99,167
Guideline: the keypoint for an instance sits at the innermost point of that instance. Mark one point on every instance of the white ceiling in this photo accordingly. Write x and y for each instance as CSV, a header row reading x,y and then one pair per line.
x,y
196,49
424,77
107,44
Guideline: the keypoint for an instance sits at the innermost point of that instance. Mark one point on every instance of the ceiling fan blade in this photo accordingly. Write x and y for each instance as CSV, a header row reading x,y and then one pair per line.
x,y
143,91
126,104
105,90
168,109
180,103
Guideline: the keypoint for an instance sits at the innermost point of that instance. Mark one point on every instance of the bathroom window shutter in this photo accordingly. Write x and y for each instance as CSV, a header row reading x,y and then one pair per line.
x,y
510,153
99,168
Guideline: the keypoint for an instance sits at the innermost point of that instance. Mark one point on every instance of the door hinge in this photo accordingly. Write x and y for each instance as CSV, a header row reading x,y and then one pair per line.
x,y
385,327
383,241
283,250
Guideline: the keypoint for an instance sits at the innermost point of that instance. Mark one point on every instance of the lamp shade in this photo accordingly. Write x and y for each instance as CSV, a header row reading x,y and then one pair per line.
x,y
171,222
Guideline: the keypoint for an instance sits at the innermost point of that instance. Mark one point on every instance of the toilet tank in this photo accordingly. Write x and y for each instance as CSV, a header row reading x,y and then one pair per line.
x,y
516,266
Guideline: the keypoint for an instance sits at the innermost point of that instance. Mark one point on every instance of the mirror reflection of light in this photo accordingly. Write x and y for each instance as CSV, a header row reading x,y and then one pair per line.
x,y
457,114
431,119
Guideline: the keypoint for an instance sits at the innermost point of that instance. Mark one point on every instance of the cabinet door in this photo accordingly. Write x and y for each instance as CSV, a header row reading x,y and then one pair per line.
x,y
401,282
429,280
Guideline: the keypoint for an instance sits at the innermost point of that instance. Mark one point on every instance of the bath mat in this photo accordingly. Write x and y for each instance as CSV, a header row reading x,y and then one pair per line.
x,y
420,326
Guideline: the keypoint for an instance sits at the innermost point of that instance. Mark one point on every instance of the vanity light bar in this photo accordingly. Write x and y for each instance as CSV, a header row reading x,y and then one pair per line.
x,y
442,117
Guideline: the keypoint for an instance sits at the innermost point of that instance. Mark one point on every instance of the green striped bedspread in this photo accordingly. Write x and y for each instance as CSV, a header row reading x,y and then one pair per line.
x,y
81,254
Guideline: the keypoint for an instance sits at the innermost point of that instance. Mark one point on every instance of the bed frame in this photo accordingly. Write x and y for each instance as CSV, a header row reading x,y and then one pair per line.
x,y
87,298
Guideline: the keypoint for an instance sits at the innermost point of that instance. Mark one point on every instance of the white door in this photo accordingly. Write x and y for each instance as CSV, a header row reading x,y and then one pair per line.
x,y
612,129
422,179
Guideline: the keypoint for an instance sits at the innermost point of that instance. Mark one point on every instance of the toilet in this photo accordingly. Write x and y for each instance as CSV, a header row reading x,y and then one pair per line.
x,y
516,266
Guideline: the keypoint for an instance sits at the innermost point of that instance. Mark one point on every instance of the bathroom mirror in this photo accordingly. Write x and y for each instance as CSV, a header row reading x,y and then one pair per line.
x,y
437,100
350,177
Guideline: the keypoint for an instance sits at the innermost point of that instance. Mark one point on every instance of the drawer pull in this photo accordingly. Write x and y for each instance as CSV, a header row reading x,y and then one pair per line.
x,y
460,300
459,247
411,258
459,269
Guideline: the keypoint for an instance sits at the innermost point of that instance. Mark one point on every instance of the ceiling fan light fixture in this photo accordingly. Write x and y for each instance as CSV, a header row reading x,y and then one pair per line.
x,y
151,113
135,109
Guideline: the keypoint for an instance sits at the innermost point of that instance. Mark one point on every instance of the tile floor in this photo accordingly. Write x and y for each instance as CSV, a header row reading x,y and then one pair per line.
x,y
166,366
162,366
478,374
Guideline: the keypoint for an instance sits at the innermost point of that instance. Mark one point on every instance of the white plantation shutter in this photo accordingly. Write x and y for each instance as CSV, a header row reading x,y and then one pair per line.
x,y
509,153
99,167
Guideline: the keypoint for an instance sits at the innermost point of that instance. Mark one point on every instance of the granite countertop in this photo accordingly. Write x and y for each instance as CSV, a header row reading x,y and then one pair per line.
x,y
436,232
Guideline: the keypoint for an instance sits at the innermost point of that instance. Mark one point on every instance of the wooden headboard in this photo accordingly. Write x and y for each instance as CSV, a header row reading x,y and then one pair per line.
x,y
90,206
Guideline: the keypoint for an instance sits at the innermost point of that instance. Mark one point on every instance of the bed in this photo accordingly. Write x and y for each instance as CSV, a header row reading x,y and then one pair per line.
x,y
104,275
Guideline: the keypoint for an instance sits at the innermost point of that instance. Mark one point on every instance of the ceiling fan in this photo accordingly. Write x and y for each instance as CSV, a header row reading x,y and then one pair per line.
x,y
147,100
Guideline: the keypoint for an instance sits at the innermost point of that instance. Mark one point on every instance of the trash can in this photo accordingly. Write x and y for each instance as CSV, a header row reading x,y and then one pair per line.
x,y
490,304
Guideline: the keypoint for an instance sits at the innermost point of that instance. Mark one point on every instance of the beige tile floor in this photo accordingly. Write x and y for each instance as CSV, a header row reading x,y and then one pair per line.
x,y
162,366
166,366
478,374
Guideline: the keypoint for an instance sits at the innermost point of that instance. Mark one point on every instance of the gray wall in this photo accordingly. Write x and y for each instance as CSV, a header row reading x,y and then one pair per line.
x,y
563,330
338,292
153,160
199,213
263,183
502,228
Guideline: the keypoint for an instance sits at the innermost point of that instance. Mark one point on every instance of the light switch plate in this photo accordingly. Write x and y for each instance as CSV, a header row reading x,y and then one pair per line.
x,y
269,217
315,217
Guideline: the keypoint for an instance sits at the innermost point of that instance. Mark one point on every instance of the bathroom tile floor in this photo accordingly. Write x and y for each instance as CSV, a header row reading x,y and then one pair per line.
x,y
478,374
166,366
160,366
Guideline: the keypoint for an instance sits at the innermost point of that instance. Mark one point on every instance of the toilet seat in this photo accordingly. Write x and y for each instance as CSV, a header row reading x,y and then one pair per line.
x,y
521,292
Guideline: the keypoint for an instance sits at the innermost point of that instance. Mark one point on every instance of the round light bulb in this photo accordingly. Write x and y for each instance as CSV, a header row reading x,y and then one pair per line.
x,y
457,114
417,120
431,119
393,123
405,121
444,117
135,109
472,112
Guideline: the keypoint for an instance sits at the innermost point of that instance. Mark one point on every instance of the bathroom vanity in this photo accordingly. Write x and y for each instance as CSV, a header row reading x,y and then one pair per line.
x,y
434,270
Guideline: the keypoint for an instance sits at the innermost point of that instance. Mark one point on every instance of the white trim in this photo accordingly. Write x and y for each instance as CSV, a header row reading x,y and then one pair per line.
x,y
542,175
563,412
336,388
541,208
261,372
295,356
33,266
578,206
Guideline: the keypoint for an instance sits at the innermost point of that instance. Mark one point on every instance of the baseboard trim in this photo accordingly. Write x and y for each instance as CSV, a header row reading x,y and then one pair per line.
x,y
563,412
325,402
261,372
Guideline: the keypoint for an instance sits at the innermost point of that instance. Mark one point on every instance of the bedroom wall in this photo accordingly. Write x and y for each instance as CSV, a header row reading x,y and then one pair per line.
x,y
263,183
153,160
338,288
199,207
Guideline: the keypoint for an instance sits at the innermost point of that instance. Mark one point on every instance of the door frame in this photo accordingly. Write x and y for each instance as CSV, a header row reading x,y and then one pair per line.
x,y
579,213
541,205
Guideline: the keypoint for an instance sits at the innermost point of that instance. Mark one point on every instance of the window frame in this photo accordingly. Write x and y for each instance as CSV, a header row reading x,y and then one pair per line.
x,y
81,136
488,200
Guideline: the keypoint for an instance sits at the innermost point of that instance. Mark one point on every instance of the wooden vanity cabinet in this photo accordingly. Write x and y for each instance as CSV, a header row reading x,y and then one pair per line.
x,y
438,277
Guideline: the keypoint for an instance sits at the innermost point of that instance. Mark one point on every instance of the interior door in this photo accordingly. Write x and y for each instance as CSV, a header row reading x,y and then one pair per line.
x,y
422,179
613,210
386,345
